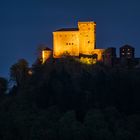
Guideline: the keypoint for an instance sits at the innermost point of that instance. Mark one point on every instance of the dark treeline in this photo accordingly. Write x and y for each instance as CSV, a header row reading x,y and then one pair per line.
x,y
66,100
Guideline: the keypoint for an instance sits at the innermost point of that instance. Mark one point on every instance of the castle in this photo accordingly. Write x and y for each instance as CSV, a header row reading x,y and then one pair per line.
x,y
81,43
76,42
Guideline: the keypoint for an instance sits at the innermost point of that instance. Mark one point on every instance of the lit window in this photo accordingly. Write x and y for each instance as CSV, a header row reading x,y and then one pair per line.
x,y
30,72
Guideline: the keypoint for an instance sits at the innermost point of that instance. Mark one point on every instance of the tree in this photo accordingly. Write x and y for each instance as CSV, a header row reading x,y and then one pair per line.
x,y
19,72
96,127
3,85
70,128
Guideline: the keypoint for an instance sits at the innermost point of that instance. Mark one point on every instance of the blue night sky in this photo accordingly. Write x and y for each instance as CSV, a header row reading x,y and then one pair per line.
x,y
24,24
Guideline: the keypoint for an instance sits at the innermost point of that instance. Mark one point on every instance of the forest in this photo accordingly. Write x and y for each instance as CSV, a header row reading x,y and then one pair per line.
x,y
66,100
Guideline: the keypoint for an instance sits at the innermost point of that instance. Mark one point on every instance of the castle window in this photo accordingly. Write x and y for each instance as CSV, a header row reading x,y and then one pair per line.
x,y
88,41
69,43
72,43
66,43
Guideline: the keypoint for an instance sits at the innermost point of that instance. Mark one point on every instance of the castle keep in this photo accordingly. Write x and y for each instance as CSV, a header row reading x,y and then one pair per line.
x,y
76,41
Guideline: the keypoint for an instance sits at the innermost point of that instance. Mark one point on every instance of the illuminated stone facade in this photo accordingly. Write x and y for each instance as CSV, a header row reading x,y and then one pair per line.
x,y
76,41
46,54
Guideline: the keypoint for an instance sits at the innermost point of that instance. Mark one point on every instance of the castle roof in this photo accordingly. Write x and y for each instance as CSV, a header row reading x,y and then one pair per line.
x,y
68,29
126,46
47,49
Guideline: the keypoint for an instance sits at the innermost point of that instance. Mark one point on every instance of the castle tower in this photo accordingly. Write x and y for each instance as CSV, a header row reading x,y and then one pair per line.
x,y
127,52
87,37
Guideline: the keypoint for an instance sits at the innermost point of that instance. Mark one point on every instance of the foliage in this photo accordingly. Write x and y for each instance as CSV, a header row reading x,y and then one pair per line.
x,y
67,100
19,71
3,85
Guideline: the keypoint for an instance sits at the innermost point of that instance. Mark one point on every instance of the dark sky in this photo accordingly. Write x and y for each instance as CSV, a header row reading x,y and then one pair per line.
x,y
24,24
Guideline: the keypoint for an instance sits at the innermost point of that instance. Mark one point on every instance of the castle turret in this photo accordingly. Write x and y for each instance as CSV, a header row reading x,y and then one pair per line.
x,y
46,54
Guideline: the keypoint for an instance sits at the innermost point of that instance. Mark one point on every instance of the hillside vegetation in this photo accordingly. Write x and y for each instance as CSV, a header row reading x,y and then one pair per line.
x,y
66,100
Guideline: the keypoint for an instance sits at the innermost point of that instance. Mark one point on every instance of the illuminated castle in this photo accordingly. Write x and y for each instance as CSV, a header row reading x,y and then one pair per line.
x,y
77,42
